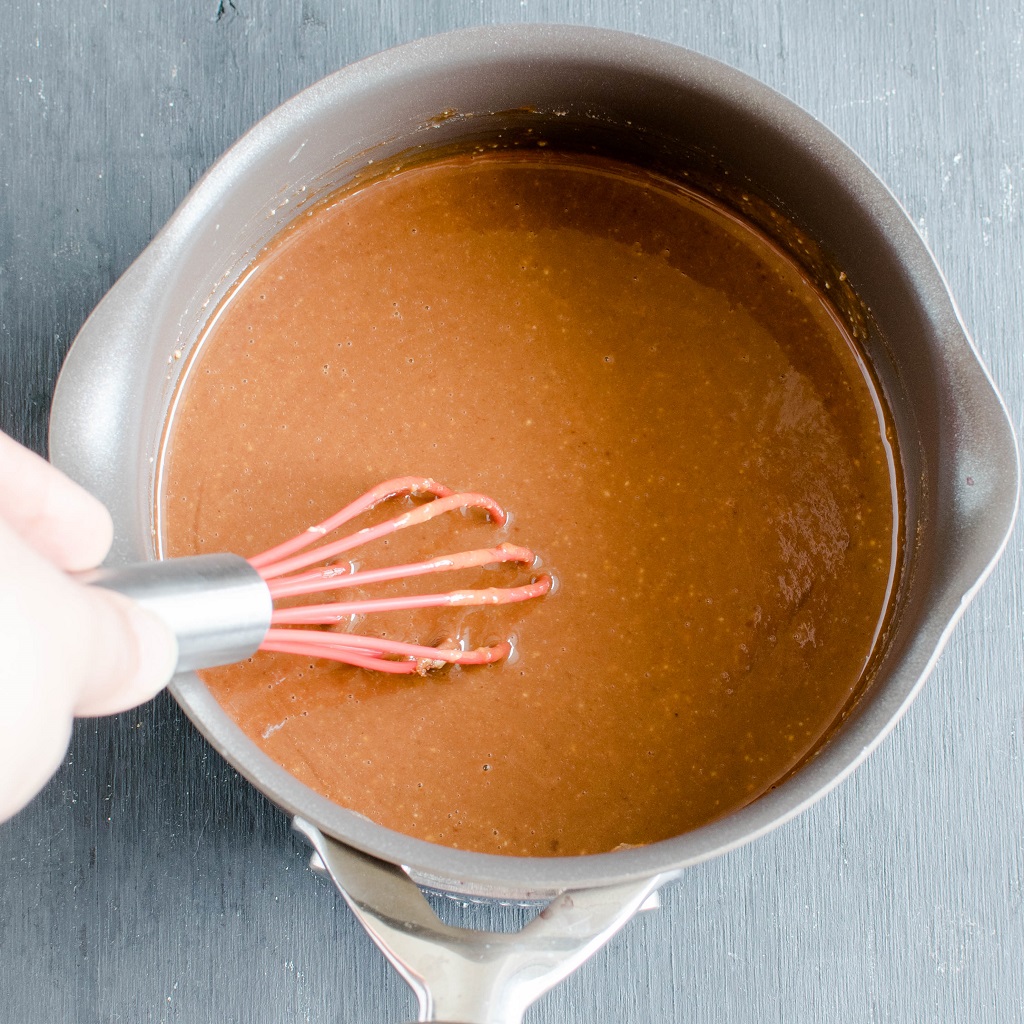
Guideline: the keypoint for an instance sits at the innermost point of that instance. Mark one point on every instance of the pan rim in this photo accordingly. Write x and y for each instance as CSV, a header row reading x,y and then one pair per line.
x,y
876,717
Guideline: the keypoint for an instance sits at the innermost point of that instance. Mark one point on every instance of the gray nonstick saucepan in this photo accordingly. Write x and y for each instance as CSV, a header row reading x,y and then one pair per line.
x,y
634,98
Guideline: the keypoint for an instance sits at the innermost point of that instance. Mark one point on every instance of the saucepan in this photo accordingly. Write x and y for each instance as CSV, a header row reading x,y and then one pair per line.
x,y
641,100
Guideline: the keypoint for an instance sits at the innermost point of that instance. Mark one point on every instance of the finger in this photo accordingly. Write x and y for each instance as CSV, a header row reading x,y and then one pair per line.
x,y
61,520
36,697
35,728
130,653
67,649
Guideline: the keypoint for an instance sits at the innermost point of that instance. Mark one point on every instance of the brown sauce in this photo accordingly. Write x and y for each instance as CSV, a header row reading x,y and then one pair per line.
x,y
682,430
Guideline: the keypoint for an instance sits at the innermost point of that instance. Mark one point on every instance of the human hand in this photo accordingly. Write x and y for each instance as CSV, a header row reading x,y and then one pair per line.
x,y
66,650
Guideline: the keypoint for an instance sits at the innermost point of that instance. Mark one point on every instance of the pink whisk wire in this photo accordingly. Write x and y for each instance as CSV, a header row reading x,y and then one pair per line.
x,y
287,573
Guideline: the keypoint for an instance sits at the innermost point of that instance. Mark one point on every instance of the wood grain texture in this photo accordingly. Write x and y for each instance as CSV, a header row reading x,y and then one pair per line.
x,y
150,883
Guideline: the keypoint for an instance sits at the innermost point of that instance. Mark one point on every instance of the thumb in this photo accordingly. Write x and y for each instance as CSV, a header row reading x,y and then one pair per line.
x,y
66,649
129,652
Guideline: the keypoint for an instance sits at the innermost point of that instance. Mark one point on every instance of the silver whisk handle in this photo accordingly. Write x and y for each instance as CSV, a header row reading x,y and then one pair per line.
x,y
218,606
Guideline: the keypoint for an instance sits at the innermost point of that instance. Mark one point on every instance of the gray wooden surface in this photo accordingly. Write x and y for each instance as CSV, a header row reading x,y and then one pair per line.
x,y
150,883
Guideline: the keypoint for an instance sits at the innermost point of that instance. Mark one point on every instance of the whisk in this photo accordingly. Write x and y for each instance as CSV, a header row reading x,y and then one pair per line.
x,y
221,607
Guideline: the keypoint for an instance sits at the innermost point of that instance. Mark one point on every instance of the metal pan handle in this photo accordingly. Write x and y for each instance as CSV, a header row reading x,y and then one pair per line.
x,y
462,976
